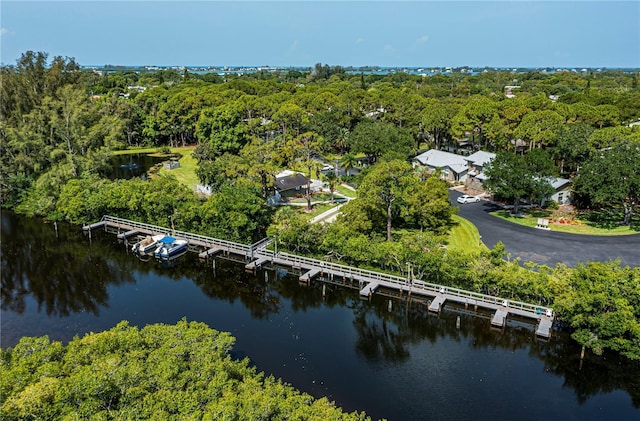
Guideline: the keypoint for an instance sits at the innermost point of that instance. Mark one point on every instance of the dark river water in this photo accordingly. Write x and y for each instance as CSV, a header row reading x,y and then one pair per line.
x,y
399,363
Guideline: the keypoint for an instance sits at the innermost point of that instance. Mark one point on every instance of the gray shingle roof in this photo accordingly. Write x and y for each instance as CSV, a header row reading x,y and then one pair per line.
x,y
480,158
440,159
290,181
558,183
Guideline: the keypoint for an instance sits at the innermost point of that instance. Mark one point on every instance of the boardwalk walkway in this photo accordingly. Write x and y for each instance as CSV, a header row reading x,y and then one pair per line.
x,y
257,254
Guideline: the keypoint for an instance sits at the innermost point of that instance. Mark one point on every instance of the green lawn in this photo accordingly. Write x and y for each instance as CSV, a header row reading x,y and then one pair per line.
x,y
186,174
464,236
317,209
578,226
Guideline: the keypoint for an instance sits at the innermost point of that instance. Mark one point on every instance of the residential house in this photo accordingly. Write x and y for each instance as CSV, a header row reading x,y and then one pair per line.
x,y
470,171
476,163
452,167
289,183
562,194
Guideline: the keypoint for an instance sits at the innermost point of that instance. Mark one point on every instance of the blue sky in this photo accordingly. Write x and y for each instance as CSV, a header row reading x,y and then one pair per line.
x,y
302,33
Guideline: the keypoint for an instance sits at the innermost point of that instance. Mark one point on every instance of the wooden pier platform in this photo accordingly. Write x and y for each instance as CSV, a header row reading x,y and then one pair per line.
x,y
499,317
258,254
369,289
125,235
256,263
94,226
544,327
210,252
436,304
306,277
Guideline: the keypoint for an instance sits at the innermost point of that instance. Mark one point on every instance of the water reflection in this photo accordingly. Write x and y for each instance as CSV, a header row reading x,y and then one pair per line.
x,y
226,282
388,335
133,165
50,263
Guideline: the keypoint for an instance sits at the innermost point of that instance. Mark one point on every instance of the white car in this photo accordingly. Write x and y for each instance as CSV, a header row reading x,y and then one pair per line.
x,y
465,198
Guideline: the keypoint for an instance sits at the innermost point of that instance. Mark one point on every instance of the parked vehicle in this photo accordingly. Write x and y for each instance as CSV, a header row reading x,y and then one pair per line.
x,y
465,198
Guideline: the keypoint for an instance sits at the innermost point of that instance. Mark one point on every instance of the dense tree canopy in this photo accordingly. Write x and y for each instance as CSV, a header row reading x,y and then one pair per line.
x,y
612,177
161,372
513,177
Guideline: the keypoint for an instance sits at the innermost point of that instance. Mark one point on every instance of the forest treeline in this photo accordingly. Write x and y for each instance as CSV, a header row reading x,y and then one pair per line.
x,y
60,125
62,121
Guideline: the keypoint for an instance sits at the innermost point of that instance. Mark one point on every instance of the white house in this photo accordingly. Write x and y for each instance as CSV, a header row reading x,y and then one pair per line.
x,y
453,167
562,195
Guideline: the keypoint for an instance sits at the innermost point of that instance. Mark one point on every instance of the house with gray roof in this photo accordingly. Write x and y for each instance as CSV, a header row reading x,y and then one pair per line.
x,y
290,181
452,167
562,194
477,162
289,184
470,171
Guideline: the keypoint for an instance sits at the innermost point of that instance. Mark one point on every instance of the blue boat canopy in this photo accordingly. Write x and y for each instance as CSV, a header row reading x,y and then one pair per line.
x,y
168,240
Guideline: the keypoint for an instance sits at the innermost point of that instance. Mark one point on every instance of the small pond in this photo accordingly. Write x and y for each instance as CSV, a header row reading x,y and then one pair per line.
x,y
134,165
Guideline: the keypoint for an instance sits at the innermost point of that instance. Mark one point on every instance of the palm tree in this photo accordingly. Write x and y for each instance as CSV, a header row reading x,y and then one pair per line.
x,y
348,161
342,140
331,179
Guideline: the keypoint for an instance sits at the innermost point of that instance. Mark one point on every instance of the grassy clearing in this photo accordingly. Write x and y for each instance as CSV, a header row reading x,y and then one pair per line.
x,y
186,174
596,226
464,236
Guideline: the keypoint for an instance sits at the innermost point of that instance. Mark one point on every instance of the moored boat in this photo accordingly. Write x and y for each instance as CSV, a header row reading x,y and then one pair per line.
x,y
170,247
147,244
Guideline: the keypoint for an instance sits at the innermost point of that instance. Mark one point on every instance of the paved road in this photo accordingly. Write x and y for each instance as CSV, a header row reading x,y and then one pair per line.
x,y
547,247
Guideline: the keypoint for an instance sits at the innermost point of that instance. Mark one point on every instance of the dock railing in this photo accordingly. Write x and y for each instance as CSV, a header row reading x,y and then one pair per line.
x,y
191,237
259,249
415,285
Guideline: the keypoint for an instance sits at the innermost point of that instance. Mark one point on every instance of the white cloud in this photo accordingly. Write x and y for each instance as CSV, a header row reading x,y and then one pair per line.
x,y
422,40
5,31
360,40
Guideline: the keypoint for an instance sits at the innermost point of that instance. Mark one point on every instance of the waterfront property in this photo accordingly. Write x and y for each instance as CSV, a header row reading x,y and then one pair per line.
x,y
368,281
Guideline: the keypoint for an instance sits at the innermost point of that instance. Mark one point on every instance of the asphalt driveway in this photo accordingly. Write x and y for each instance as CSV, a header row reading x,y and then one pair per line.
x,y
547,247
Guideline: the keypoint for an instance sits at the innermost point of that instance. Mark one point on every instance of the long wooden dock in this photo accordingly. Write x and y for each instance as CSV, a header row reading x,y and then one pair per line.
x,y
257,255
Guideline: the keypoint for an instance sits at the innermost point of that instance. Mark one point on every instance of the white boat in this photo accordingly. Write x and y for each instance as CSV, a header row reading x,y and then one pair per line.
x,y
147,244
170,247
